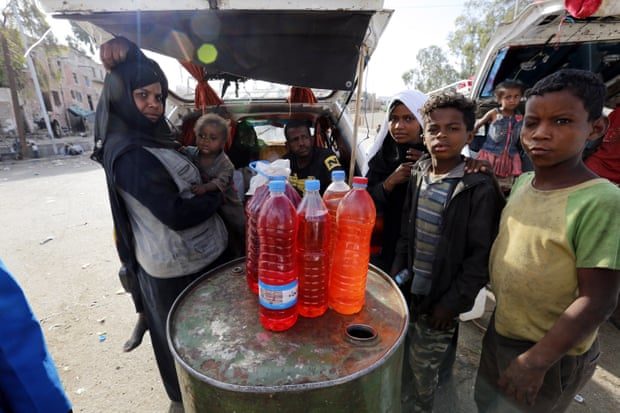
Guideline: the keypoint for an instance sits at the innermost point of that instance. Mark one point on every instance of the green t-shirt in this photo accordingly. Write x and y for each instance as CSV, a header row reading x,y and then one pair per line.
x,y
544,237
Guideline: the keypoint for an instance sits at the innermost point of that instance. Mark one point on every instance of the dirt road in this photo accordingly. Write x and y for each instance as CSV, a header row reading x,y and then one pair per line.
x,y
57,239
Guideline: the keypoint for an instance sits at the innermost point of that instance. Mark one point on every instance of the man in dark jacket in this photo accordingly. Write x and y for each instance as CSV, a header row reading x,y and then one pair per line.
x,y
307,161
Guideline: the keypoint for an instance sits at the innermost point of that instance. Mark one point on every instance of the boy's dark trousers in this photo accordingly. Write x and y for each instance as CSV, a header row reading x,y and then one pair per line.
x,y
562,381
425,351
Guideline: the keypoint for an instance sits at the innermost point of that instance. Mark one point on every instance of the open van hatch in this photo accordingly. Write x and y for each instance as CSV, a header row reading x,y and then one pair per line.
x,y
278,41
316,48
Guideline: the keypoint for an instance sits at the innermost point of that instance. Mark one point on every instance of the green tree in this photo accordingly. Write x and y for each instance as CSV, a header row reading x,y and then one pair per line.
x,y
81,38
474,28
16,61
35,26
432,72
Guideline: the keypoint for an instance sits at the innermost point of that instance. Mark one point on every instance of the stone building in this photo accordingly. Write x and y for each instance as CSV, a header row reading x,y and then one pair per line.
x,y
70,82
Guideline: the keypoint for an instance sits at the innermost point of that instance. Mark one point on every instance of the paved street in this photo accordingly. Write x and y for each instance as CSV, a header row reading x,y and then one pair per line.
x,y
57,239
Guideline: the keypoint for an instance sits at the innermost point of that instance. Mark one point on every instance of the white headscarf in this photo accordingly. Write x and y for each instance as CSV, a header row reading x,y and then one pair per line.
x,y
414,100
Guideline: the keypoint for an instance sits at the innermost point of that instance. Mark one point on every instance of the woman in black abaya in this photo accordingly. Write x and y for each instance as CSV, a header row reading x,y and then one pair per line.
x,y
164,233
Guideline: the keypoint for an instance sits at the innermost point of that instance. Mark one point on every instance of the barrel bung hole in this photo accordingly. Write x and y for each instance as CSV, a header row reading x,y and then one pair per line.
x,y
361,332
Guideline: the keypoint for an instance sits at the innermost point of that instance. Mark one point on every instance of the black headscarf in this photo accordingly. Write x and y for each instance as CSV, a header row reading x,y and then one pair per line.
x,y
117,116
120,127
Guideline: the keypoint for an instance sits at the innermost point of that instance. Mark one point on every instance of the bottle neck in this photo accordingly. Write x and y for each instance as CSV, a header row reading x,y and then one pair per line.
x,y
338,186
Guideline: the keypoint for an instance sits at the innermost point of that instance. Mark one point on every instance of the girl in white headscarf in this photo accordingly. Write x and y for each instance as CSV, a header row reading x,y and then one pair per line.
x,y
397,146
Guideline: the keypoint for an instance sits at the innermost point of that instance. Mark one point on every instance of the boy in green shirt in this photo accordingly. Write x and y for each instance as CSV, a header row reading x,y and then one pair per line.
x,y
555,263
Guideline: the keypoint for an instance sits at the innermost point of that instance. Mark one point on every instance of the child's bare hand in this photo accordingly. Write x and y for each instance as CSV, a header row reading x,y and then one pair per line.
x,y
522,381
399,176
442,318
199,189
413,154
478,165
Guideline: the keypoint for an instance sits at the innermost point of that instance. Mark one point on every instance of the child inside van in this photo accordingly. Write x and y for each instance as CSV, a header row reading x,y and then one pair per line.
x,y
501,146
555,264
450,219
217,171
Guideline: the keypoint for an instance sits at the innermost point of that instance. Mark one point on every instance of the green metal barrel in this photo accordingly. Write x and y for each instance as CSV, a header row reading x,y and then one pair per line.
x,y
227,362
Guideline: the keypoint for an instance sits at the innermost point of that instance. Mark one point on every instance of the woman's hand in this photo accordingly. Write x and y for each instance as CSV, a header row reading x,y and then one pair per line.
x,y
399,176
199,189
113,52
413,154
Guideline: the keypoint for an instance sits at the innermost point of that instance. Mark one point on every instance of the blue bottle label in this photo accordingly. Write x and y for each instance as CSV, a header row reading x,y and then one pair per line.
x,y
277,297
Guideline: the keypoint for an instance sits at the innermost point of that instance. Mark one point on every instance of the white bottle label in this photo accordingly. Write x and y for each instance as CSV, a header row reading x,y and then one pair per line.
x,y
277,297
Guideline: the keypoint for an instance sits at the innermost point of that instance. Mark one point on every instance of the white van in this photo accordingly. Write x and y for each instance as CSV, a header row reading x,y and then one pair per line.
x,y
545,38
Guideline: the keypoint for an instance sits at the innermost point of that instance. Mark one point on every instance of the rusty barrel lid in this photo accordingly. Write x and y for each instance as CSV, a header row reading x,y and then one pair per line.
x,y
214,333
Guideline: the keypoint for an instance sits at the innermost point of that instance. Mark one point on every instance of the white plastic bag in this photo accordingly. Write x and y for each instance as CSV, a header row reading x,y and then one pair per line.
x,y
478,309
265,169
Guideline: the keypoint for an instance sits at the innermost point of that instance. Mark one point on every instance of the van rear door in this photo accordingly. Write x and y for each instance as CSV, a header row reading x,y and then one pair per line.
x,y
275,40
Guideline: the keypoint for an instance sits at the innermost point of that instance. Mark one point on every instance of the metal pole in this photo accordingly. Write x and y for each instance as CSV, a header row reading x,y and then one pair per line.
x,y
516,9
35,79
358,100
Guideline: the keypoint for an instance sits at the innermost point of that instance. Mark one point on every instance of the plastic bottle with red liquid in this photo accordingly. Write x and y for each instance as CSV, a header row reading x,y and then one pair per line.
x,y
312,251
332,197
252,209
277,269
354,222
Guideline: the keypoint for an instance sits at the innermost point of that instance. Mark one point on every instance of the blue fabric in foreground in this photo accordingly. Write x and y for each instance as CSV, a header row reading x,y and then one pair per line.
x,y
29,381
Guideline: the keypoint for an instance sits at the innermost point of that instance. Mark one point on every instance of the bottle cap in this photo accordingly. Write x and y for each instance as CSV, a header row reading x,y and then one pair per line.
x,y
277,186
312,185
359,180
277,178
338,175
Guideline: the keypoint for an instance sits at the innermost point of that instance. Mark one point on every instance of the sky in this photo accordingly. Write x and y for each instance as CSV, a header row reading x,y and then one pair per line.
x,y
415,24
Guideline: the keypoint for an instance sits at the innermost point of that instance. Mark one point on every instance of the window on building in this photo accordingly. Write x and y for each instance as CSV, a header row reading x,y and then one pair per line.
x,y
86,81
56,98
58,63
78,96
72,94
75,79
46,101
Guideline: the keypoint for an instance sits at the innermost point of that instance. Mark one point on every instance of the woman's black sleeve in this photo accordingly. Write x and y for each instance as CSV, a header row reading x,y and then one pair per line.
x,y
142,176
375,189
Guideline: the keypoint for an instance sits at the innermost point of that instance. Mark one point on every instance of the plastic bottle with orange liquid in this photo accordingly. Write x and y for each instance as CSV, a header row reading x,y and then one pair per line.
x,y
355,219
312,251
332,197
